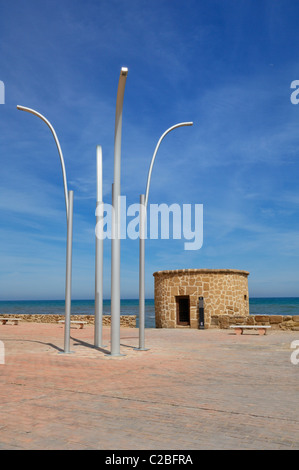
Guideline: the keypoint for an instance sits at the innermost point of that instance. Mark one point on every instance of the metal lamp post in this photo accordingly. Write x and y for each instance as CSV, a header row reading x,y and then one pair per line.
x,y
142,236
69,197
115,246
98,314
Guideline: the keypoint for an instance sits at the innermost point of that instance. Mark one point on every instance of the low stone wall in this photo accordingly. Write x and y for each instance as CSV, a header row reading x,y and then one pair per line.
x,y
282,322
277,322
126,321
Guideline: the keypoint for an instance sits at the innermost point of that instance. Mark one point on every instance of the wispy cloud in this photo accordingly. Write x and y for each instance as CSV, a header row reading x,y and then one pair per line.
x,y
226,67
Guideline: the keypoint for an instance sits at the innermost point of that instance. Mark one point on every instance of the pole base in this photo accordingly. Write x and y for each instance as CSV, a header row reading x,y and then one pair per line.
x,y
141,349
115,355
64,352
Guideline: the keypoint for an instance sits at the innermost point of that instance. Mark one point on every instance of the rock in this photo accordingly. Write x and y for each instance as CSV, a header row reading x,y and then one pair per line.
x,y
262,319
224,321
275,319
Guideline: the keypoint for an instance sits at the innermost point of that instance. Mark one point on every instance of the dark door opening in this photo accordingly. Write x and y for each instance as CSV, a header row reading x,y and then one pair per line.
x,y
183,310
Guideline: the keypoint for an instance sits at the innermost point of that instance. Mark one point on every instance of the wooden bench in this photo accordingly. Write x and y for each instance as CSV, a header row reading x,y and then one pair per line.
x,y
78,322
5,320
239,329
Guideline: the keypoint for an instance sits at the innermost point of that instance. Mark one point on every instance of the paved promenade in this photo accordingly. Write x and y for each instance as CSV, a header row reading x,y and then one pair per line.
x,y
192,390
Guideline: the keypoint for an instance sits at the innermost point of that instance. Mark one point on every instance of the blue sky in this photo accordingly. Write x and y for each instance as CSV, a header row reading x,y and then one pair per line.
x,y
225,65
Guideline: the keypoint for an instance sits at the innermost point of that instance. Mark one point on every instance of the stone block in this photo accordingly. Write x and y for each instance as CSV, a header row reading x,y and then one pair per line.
x,y
191,291
224,321
214,320
287,325
262,319
275,326
275,319
239,318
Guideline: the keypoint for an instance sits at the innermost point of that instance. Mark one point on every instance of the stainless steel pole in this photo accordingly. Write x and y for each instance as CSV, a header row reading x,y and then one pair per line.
x,y
115,245
144,202
115,282
142,222
68,281
35,113
98,314
69,216
181,124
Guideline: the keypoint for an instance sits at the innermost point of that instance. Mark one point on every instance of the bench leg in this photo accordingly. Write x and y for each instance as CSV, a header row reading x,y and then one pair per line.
x,y
4,322
262,331
81,326
239,331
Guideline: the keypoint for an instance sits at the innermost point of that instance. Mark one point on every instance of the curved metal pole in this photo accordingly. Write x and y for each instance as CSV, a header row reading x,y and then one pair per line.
x,y
155,153
32,111
69,196
115,243
142,236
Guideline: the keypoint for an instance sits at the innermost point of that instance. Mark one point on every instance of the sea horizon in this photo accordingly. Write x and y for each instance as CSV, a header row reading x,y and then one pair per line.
x,y
257,306
127,299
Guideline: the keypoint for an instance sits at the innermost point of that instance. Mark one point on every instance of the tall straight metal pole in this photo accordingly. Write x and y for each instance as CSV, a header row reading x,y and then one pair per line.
x,y
115,281
68,281
98,314
142,222
115,246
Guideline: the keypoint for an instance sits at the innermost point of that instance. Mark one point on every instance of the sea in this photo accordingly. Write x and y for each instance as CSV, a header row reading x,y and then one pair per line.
x,y
257,306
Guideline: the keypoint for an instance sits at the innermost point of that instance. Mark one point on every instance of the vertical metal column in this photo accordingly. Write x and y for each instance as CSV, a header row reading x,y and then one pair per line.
x,y
115,246
98,314
115,279
68,279
142,222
